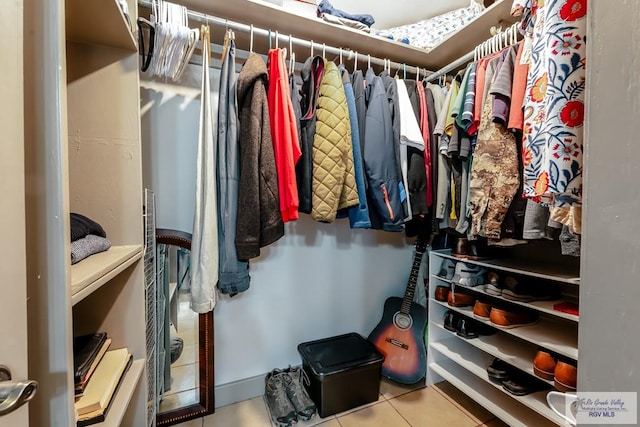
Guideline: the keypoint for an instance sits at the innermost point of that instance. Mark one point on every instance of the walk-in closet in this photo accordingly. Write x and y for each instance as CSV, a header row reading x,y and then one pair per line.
x,y
319,212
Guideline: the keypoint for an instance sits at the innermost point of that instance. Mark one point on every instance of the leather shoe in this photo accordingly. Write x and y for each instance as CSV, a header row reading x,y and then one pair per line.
x,y
520,384
499,370
470,249
482,310
511,319
544,365
565,376
469,328
459,299
441,293
451,321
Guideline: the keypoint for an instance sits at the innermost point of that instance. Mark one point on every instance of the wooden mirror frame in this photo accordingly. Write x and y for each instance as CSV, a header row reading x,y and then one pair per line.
x,y
205,405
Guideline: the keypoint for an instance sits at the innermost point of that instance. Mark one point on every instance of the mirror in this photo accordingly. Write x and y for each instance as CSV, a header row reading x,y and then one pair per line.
x,y
184,380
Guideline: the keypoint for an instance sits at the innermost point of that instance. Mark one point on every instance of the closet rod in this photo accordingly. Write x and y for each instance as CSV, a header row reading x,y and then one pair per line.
x,y
347,54
471,55
452,66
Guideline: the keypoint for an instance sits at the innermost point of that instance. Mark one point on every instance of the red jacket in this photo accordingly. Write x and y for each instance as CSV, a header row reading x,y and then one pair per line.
x,y
284,133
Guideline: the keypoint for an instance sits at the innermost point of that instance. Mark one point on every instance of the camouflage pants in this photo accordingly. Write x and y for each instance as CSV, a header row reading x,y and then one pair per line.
x,y
495,177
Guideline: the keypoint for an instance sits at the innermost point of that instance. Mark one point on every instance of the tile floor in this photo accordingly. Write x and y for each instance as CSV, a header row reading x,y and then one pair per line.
x,y
441,405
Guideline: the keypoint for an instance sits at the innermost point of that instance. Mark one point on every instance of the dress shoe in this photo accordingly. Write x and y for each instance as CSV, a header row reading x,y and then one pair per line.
x,y
469,328
482,310
511,319
526,292
521,384
441,293
544,365
565,376
470,249
499,370
459,299
451,320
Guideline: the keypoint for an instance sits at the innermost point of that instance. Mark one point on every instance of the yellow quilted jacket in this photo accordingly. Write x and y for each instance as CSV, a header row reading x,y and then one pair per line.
x,y
334,182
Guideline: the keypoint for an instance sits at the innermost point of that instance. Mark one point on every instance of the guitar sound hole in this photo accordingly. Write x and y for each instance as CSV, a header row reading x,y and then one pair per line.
x,y
402,321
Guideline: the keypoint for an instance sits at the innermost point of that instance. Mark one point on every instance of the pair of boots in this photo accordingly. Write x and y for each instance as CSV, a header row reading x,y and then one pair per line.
x,y
286,396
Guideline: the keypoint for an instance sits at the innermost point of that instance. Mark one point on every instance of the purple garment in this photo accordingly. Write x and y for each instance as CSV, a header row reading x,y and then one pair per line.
x,y
499,104
502,84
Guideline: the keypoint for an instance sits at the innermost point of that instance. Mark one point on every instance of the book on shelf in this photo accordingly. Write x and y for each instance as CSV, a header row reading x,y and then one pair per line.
x,y
92,407
88,351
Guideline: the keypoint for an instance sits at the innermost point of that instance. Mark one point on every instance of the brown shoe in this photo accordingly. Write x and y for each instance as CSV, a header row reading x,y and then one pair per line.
x,y
459,299
442,292
511,319
565,376
544,365
482,310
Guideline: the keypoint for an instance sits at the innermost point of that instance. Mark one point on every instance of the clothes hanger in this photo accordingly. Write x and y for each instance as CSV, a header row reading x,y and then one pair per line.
x,y
340,55
355,62
147,55
251,39
311,41
368,61
324,52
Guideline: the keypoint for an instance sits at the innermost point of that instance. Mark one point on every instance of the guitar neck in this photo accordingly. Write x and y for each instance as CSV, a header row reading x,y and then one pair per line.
x,y
410,292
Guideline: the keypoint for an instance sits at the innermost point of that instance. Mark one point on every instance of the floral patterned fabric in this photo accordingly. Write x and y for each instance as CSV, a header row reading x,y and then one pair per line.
x,y
428,33
554,103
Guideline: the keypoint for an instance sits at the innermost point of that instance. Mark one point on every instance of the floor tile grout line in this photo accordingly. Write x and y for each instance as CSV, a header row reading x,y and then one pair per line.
x,y
459,407
400,413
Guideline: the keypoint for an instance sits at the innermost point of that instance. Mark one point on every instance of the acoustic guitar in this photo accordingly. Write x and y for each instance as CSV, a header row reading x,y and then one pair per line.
x,y
399,335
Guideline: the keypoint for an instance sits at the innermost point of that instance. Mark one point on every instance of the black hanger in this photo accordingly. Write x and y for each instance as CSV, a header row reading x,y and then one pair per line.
x,y
146,56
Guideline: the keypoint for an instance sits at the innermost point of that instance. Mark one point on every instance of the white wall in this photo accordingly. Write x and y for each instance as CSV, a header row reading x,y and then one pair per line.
x,y
385,15
320,280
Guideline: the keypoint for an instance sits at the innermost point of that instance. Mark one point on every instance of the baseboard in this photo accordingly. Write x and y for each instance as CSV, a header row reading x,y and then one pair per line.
x,y
237,391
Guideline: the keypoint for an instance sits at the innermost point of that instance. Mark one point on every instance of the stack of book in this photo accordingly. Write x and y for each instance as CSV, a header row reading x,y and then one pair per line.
x,y
98,372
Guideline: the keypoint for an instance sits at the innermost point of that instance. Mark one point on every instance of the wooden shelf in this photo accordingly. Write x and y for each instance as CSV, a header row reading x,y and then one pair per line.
x,y
508,409
546,272
540,306
516,353
474,362
91,273
125,391
99,22
553,335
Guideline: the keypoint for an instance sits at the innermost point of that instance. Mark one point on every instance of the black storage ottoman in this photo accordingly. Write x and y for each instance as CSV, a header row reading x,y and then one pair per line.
x,y
343,371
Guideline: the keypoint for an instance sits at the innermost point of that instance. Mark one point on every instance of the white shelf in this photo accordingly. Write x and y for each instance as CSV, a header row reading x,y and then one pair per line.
x,y
476,363
91,273
472,34
540,306
99,22
546,272
270,16
556,336
516,353
508,409
125,391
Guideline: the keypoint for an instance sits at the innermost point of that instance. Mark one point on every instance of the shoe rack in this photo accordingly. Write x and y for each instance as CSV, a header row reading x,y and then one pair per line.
x,y
463,362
